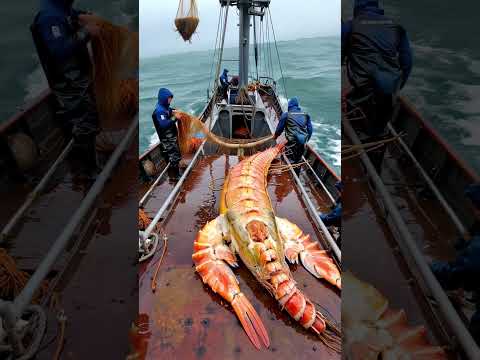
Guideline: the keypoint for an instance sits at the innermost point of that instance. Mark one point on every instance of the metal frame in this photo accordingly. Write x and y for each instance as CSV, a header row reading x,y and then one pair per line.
x,y
311,207
458,223
11,311
320,181
157,180
172,194
412,254
34,194
177,187
313,212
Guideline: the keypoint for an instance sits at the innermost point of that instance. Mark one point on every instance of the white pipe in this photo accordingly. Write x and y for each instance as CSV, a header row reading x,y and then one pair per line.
x,y
410,251
430,183
25,297
313,211
34,194
147,194
320,181
172,194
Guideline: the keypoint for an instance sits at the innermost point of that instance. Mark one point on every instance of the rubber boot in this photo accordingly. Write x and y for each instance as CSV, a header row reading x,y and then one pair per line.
x,y
87,154
173,173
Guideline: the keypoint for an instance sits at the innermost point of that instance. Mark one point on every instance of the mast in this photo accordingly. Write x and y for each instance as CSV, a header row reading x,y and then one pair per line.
x,y
244,40
247,8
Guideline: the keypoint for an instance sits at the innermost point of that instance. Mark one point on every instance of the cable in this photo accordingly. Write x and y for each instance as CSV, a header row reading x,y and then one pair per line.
x,y
221,53
278,54
154,279
216,43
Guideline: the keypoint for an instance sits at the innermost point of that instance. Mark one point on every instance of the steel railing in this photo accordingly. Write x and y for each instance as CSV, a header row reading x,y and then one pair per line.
x,y
10,311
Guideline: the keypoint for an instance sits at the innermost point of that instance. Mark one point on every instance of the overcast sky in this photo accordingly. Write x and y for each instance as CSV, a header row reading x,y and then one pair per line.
x,y
292,19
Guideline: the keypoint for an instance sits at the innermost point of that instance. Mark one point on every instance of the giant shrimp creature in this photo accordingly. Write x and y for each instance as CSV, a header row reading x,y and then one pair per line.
x,y
247,227
374,331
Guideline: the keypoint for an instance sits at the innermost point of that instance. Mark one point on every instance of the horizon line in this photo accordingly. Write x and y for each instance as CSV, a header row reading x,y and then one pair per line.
x,y
231,47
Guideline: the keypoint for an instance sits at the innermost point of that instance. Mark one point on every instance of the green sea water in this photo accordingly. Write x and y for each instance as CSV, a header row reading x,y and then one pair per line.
x,y
311,69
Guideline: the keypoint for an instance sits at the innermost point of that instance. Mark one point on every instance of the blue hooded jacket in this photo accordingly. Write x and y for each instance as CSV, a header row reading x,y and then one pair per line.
x,y
163,112
293,106
473,193
334,217
371,9
53,22
464,271
224,78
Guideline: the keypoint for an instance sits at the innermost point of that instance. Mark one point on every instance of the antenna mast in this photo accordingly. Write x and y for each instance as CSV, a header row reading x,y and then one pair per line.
x,y
246,9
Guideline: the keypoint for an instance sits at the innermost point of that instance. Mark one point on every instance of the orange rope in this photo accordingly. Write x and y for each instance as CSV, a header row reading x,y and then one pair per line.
x,y
154,279
143,220
13,280
114,50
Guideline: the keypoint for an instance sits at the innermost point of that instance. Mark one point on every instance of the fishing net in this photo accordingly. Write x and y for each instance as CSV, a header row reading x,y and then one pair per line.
x,y
115,55
13,280
189,126
143,220
187,19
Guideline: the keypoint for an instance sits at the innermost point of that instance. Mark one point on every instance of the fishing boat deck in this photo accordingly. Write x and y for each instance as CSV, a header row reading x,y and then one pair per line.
x,y
43,222
366,232
96,274
183,318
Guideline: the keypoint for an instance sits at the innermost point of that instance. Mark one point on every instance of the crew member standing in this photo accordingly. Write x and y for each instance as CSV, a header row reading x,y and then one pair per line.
x,y
298,130
464,271
166,125
378,60
60,36
224,83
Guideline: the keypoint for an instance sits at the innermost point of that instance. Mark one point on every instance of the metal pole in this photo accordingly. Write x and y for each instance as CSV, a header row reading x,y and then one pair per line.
x,y
410,251
220,56
311,207
430,183
34,194
320,181
313,211
172,194
244,40
25,297
147,194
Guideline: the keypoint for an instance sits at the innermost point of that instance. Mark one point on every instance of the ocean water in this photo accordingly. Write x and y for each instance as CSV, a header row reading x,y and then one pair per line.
x,y
21,76
311,69
445,82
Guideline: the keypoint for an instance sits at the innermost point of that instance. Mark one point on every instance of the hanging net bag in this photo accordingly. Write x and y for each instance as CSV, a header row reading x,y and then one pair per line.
x,y
187,19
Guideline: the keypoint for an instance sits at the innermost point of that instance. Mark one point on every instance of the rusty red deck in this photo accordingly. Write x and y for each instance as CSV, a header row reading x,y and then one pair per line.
x,y
184,319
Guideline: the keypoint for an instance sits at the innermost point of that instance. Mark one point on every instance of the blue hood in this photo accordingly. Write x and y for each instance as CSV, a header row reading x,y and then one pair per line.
x,y
339,185
473,193
56,7
163,95
367,6
293,103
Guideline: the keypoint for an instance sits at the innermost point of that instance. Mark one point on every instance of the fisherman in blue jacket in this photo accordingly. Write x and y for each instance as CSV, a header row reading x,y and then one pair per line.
x,y
464,271
334,217
224,83
166,125
298,130
379,61
61,36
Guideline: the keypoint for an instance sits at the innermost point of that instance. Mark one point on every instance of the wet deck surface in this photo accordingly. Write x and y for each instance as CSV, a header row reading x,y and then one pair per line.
x,y
368,243
98,289
45,219
183,319
426,220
